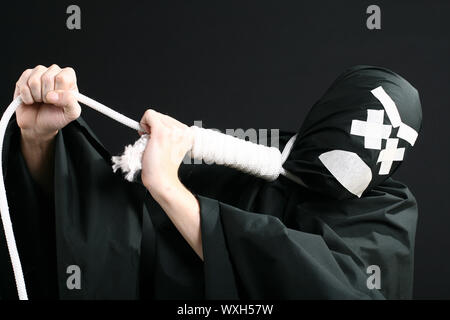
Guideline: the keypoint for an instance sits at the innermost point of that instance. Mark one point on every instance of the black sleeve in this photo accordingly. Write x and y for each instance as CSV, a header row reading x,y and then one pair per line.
x,y
319,250
32,215
92,221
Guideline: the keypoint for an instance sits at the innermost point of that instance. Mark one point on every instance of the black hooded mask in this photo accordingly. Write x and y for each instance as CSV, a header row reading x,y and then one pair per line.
x,y
357,134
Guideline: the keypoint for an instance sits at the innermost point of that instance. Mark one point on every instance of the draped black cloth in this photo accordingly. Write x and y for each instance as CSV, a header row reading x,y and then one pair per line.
x,y
261,240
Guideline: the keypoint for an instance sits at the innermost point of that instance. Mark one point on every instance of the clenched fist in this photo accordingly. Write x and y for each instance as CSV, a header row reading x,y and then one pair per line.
x,y
169,141
48,103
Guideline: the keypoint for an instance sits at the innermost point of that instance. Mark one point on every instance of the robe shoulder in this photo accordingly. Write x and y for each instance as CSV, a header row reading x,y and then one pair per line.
x,y
96,219
278,240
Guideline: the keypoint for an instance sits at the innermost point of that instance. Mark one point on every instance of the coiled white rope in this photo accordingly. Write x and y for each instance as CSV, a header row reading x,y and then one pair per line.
x,y
256,159
215,147
209,146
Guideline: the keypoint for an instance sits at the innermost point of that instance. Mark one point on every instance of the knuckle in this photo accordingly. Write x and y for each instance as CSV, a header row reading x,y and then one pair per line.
x,y
70,74
69,70
148,114
54,66
26,72
39,67
66,77
33,82
25,95
46,78
61,78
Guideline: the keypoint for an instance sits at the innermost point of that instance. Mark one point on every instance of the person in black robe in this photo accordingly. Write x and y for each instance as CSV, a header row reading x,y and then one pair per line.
x,y
259,239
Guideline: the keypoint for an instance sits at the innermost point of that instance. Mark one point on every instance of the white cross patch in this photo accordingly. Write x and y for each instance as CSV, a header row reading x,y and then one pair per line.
x,y
405,132
373,130
389,155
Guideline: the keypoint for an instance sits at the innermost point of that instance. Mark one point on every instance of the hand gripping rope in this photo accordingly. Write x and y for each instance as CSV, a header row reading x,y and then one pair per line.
x,y
209,145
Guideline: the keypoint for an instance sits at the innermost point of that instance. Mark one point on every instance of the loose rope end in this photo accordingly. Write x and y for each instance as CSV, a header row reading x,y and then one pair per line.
x,y
4,208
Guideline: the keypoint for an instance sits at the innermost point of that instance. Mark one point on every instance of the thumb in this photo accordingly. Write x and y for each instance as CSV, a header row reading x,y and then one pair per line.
x,y
66,100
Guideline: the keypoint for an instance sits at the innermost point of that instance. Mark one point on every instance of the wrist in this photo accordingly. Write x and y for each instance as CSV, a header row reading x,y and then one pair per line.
x,y
32,139
38,153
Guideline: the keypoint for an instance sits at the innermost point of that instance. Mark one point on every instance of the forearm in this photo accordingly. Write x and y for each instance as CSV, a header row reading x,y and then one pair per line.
x,y
39,157
183,209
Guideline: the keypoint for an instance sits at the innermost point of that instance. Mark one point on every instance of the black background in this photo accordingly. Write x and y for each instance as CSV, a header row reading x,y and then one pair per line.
x,y
242,64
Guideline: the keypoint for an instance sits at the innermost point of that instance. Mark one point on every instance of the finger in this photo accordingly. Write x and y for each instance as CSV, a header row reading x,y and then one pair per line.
x,y
66,100
25,94
22,81
48,80
34,82
149,120
66,80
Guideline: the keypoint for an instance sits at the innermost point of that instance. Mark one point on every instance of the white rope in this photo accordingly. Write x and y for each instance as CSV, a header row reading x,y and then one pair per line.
x,y
209,146
215,147
130,162
4,209
256,159
107,111
287,148
212,146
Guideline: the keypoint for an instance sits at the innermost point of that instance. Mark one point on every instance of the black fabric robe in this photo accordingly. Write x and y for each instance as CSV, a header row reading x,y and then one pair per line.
x,y
261,240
